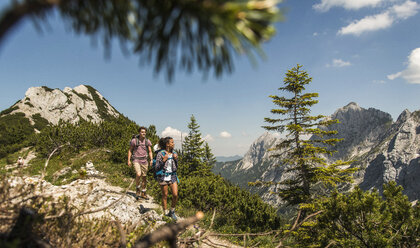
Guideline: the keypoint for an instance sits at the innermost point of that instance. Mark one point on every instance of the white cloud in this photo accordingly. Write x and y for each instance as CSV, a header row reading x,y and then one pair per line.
x,y
339,63
174,133
325,5
382,20
412,73
208,138
225,135
394,76
369,23
405,10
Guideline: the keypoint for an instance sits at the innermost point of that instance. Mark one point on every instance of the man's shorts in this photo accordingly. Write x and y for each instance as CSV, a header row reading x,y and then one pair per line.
x,y
141,168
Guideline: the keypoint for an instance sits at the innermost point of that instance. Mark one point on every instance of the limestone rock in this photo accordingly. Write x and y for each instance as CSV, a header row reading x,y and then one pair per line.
x,y
94,193
69,105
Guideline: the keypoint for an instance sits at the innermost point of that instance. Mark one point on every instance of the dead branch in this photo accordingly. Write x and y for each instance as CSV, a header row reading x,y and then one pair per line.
x,y
242,234
213,244
212,218
167,232
123,242
46,164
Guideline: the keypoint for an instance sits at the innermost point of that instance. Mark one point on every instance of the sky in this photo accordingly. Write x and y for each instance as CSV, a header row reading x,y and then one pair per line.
x,y
363,51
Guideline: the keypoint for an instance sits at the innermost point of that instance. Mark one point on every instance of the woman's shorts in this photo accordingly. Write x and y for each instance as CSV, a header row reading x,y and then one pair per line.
x,y
173,180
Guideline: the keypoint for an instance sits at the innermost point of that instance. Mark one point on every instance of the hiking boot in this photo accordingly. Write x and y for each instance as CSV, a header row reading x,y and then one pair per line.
x,y
144,195
172,215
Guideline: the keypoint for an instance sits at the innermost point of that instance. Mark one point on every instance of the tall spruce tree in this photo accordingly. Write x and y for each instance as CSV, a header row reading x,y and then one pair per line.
x,y
209,158
304,156
192,149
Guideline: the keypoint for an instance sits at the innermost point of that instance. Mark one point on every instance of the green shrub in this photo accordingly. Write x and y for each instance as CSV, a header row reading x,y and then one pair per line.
x,y
364,219
234,206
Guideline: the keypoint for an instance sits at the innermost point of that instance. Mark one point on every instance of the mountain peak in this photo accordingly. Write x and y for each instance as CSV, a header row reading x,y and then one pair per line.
x,y
352,106
83,102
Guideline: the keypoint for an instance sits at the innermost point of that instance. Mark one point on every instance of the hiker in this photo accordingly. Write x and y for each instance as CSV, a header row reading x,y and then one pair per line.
x,y
166,166
140,148
20,161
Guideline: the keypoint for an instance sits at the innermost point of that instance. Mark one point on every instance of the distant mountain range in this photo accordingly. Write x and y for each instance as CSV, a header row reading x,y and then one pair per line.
x,y
383,151
227,158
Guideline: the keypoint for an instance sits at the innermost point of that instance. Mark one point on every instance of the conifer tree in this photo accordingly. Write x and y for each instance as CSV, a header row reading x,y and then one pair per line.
x,y
303,156
192,148
208,160
151,134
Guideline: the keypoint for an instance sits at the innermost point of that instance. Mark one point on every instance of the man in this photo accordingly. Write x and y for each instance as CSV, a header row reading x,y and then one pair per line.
x,y
140,147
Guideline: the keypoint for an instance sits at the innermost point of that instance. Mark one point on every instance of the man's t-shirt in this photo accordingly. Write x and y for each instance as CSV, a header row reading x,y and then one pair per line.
x,y
140,154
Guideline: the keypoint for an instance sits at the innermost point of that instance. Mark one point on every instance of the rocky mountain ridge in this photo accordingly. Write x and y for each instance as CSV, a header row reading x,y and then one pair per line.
x,y
383,150
70,105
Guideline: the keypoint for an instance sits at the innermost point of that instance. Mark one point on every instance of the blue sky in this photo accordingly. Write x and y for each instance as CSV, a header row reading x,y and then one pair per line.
x,y
365,51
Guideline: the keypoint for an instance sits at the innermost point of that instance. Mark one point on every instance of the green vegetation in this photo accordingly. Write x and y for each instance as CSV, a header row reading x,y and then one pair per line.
x,y
40,122
236,209
9,110
192,160
15,134
364,219
100,103
83,96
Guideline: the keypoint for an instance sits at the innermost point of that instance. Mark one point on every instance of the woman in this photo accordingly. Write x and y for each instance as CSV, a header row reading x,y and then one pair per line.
x,y
166,167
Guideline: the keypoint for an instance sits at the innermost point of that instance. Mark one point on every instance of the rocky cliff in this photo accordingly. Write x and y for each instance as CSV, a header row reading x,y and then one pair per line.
x,y
70,105
383,150
396,157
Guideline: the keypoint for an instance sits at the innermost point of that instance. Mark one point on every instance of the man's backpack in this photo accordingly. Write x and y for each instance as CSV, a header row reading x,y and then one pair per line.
x,y
137,144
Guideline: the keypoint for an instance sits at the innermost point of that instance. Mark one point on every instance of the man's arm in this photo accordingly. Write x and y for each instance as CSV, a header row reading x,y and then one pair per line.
x,y
150,155
129,156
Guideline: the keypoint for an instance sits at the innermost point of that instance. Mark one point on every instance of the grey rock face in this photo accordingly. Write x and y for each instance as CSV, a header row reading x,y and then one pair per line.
x,y
360,129
72,105
397,158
